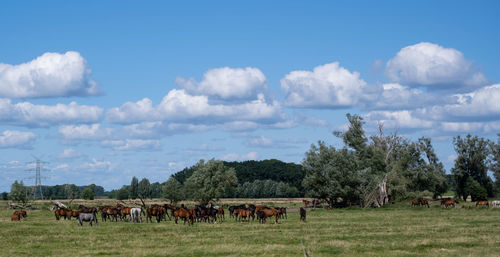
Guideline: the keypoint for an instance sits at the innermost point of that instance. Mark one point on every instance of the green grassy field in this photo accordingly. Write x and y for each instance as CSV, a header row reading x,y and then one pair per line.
x,y
396,230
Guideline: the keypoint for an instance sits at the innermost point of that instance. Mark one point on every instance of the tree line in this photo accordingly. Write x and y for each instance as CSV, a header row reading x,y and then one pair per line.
x,y
346,174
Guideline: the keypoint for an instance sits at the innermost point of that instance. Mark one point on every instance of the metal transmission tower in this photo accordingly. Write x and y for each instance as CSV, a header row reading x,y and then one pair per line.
x,y
37,189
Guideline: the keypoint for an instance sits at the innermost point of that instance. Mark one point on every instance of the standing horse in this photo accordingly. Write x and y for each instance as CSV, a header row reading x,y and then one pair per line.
x,y
245,213
302,214
60,213
424,202
269,213
135,215
184,214
483,203
447,203
87,217
495,203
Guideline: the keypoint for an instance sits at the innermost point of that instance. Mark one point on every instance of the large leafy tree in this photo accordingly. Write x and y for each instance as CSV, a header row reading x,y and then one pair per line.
x,y
331,174
353,172
495,165
134,187
172,190
19,193
210,180
88,194
471,165
144,189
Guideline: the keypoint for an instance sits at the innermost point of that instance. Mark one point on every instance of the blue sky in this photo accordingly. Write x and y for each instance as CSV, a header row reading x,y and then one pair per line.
x,y
107,90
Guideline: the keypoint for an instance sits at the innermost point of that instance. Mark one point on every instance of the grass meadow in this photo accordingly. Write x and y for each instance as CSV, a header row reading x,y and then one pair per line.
x,y
393,230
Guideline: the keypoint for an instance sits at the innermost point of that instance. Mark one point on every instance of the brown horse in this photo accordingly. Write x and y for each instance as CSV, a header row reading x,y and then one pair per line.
x,y
271,212
113,212
447,203
220,213
154,210
125,212
245,213
306,203
16,216
483,203
60,213
424,202
184,214
21,213
302,214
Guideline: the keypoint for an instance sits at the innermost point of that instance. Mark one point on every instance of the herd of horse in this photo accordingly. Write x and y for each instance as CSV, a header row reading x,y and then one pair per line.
x,y
197,213
452,203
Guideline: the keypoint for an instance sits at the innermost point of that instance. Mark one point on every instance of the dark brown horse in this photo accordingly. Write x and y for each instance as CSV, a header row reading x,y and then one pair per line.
x,y
306,203
302,214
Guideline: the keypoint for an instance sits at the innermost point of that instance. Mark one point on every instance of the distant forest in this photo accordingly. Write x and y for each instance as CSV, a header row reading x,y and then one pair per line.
x,y
255,179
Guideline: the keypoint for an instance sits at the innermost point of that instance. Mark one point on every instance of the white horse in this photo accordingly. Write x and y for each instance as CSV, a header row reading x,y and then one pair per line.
x,y
135,215
495,203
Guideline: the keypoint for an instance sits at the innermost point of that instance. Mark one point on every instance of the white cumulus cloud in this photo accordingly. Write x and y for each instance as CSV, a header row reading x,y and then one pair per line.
x,y
178,106
327,86
84,132
433,66
30,115
16,139
50,75
227,83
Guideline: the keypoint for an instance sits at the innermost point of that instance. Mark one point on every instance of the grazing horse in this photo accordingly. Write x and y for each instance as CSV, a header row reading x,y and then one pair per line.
x,y
495,203
61,213
135,215
424,202
302,214
306,203
87,217
282,212
415,203
233,208
86,209
261,216
483,203
113,212
184,214
269,213
447,203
